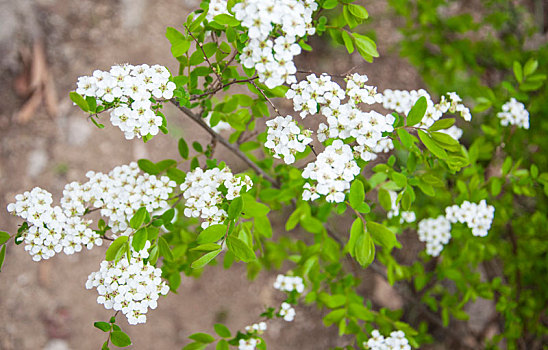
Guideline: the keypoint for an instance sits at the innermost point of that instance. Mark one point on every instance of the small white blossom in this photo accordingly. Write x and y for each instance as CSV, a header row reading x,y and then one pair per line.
x,y
514,113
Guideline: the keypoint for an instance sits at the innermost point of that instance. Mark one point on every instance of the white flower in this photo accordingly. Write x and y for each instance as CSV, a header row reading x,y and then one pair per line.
x,y
514,113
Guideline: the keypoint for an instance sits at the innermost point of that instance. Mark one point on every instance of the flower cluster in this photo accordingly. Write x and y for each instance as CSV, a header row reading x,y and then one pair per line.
x,y
273,58
285,138
256,328
396,341
477,216
405,216
203,196
287,312
131,287
333,170
119,194
436,233
289,283
216,7
129,91
51,229
248,344
514,113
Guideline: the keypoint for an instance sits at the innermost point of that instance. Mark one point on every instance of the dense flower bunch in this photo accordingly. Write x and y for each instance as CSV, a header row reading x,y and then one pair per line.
x,y
130,92
477,216
357,134
285,138
287,312
333,170
289,283
131,287
119,194
436,233
51,229
514,113
274,28
396,341
204,197
405,216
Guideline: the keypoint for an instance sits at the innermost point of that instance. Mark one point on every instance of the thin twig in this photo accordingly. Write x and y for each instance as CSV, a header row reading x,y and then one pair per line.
x,y
266,98
217,89
233,148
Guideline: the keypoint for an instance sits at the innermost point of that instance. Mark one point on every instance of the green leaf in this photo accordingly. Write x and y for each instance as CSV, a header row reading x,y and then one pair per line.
x,y
176,175
92,103
365,250
179,44
2,256
105,346
347,39
211,234
104,326
431,145
202,338
148,167
329,4
365,45
240,249
120,339
222,330
138,218
222,345
384,199
530,67
381,234
358,11
405,138
115,246
442,124
197,146
357,194
235,208
4,237
204,259
79,100
417,111
252,207
226,20
195,346
139,239
518,71
355,232
165,251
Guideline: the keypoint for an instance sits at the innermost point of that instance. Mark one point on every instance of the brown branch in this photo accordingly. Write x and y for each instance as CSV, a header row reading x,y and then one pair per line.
x,y
233,148
204,53
266,98
218,88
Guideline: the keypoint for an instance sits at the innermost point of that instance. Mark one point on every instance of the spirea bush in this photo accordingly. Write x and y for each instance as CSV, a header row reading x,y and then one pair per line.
x,y
399,167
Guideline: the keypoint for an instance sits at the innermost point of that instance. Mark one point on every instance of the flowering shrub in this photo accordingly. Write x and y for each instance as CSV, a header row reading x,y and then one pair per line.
x,y
391,164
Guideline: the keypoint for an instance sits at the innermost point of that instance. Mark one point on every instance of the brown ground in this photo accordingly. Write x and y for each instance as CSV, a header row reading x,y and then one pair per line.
x,y
45,305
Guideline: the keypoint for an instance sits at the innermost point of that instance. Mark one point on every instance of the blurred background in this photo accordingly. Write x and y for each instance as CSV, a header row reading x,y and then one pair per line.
x,y
45,141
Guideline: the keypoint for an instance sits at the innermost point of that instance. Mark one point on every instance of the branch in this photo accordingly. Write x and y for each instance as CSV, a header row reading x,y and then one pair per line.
x,y
233,148
211,92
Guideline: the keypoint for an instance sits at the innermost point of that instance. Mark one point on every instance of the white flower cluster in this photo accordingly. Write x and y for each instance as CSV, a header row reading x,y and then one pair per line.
x,y
216,7
248,344
405,216
131,287
51,229
285,138
256,328
333,170
436,233
361,131
287,312
273,58
514,113
130,89
402,102
289,283
396,341
477,216
203,197
119,194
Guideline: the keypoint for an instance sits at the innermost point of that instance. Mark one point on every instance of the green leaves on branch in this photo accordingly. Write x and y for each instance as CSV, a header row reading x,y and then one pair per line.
x,y
119,244
120,339
360,244
240,249
366,47
356,197
205,259
212,234
179,43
